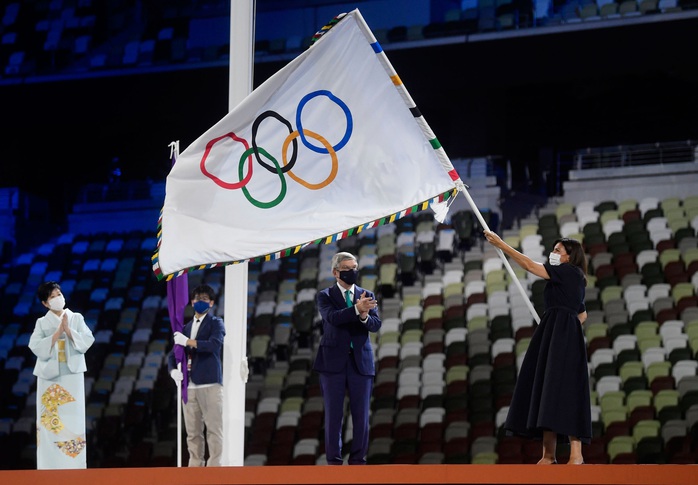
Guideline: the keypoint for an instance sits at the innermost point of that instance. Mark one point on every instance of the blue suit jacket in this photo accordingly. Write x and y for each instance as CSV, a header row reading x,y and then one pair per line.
x,y
206,366
342,326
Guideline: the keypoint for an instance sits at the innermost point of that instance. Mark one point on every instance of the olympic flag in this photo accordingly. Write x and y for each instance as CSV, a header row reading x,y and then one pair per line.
x,y
329,146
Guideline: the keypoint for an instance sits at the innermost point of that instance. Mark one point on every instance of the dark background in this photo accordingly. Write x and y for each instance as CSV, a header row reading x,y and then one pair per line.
x,y
525,98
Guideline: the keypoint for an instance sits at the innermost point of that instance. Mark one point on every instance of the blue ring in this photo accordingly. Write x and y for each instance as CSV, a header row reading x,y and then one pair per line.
x,y
341,104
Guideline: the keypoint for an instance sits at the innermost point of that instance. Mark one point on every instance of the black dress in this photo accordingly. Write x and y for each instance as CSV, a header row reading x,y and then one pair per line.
x,y
552,389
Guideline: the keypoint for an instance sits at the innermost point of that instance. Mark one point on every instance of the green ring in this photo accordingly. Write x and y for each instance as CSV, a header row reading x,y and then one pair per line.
x,y
282,194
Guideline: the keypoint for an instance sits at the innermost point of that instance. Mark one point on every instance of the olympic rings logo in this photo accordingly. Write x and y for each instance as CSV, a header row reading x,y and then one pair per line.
x,y
245,169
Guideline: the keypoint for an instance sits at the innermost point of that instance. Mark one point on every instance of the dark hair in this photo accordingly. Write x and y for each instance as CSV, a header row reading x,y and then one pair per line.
x,y
575,251
45,290
203,290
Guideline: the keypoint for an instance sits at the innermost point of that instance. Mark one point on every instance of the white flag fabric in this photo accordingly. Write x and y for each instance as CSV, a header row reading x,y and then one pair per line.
x,y
330,145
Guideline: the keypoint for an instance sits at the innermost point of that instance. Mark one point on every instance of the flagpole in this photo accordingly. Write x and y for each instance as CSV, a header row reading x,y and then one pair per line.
x,y
510,270
177,299
242,18
179,418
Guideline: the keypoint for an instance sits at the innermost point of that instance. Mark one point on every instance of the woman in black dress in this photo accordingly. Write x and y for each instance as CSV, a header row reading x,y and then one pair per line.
x,y
551,399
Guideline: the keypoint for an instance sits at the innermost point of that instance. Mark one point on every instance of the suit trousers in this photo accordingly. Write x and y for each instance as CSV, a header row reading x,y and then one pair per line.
x,y
204,411
334,387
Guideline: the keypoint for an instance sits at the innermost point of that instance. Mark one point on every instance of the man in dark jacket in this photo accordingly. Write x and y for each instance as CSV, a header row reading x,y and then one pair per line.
x,y
345,358
202,339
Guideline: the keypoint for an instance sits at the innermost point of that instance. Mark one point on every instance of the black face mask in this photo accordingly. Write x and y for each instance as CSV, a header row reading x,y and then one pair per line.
x,y
349,276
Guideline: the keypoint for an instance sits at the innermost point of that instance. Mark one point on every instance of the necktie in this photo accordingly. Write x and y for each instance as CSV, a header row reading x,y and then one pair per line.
x,y
347,295
194,330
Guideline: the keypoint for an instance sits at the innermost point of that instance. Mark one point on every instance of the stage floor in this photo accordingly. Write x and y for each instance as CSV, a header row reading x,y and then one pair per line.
x,y
370,474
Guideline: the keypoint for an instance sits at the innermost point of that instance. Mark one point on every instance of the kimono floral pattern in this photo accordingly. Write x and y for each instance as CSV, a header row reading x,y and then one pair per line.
x,y
55,396
71,448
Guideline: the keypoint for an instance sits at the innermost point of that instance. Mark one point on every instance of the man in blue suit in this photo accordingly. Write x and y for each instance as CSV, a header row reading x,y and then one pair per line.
x,y
202,339
345,358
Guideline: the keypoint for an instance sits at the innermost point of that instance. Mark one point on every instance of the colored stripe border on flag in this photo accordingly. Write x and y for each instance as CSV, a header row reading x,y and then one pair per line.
x,y
297,248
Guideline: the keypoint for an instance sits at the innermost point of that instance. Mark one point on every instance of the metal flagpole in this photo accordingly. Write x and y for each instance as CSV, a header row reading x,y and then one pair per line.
x,y
177,294
179,418
242,18
510,270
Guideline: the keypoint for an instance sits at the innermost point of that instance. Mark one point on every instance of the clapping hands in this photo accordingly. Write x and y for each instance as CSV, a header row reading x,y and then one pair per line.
x,y
365,304
64,327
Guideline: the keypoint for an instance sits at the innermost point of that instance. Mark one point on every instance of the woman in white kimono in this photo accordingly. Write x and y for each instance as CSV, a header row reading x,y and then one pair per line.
x,y
59,341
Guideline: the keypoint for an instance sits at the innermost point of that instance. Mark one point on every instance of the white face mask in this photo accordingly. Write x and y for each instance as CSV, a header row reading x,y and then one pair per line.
x,y
554,259
57,303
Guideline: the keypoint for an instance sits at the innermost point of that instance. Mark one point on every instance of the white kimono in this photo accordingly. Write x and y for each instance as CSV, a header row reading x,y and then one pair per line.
x,y
60,392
